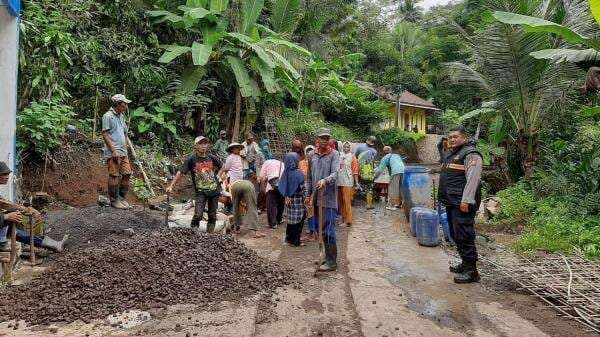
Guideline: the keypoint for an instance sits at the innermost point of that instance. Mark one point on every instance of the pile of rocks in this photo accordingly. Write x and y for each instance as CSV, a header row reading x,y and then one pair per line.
x,y
143,272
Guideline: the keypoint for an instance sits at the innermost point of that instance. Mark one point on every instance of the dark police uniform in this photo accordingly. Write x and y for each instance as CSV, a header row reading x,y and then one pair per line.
x,y
452,184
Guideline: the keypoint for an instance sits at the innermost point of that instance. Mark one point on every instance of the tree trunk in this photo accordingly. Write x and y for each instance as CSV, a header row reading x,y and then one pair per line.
x,y
236,121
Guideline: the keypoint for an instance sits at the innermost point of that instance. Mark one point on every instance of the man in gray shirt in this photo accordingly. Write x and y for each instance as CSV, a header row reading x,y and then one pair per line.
x,y
322,176
114,133
460,191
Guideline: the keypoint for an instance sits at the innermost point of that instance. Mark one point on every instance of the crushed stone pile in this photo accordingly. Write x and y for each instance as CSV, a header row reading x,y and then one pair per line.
x,y
143,272
91,225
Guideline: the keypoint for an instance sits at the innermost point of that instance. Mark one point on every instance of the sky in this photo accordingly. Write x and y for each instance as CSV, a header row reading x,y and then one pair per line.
x,y
430,3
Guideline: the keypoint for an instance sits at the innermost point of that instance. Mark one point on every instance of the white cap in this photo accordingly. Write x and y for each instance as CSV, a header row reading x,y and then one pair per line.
x,y
118,98
199,139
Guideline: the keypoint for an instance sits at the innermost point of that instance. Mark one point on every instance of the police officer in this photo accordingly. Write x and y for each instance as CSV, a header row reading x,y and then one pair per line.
x,y
460,191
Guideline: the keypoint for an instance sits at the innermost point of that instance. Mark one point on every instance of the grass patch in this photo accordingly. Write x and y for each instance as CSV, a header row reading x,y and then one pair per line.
x,y
551,224
305,123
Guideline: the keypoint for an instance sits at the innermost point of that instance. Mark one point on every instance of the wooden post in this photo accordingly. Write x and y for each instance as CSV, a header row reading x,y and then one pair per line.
x,y
13,253
31,241
139,165
236,121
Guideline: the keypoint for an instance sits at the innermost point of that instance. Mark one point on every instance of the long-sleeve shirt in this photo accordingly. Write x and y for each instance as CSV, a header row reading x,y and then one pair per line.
x,y
324,167
473,168
392,162
272,168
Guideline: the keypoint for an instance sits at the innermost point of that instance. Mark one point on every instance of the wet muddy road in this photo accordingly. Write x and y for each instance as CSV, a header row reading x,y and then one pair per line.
x,y
387,285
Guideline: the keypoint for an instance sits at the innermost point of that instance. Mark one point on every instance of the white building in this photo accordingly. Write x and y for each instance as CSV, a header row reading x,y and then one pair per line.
x,y
9,45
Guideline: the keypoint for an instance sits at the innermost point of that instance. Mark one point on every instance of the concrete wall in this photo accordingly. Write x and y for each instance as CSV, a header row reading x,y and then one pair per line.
x,y
9,43
427,149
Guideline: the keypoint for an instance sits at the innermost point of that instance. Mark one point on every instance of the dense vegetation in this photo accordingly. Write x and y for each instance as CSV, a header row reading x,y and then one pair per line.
x,y
512,72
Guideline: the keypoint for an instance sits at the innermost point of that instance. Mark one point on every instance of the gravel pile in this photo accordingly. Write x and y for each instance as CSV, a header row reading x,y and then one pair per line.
x,y
142,272
89,226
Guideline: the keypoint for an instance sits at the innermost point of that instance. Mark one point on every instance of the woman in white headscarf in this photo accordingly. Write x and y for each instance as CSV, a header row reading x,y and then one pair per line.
x,y
347,180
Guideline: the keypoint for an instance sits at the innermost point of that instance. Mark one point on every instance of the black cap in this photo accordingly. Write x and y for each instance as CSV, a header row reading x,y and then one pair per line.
x,y
4,170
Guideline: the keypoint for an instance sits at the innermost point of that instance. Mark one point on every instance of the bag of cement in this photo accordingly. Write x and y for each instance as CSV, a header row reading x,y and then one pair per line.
x,y
184,221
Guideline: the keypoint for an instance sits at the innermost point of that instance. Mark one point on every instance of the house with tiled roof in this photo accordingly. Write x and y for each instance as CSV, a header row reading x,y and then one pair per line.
x,y
408,111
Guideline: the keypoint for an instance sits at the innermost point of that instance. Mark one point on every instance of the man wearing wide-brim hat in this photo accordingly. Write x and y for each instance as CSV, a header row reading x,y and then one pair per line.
x,y
14,213
114,133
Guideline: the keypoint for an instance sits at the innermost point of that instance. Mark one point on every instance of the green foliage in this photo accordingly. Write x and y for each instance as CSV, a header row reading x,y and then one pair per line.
x,y
554,227
305,123
141,190
395,137
162,122
41,126
517,205
356,109
450,119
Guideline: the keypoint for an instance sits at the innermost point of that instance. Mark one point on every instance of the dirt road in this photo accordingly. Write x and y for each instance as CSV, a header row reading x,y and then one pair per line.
x,y
387,285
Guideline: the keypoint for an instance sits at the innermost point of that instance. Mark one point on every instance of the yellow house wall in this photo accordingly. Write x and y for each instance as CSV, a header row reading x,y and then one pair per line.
x,y
415,116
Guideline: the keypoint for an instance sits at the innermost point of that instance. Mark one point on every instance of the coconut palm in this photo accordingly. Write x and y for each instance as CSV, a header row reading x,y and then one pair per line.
x,y
524,88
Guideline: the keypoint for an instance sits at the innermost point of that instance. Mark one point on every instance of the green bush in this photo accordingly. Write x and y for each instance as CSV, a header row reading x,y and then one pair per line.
x,y
305,123
517,206
552,224
359,111
41,126
554,227
395,137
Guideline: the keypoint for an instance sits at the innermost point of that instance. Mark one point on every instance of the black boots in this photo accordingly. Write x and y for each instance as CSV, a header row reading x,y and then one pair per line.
x,y
469,273
458,268
330,257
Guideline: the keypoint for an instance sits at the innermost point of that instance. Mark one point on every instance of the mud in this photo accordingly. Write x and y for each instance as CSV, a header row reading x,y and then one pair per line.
x,y
143,272
92,225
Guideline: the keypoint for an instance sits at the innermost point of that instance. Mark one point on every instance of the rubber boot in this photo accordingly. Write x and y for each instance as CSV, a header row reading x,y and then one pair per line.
x,y
210,227
113,193
123,189
370,200
54,245
469,275
330,257
458,268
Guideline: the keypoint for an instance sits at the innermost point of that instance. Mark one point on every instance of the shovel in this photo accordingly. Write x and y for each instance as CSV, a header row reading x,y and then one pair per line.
x,y
167,209
320,233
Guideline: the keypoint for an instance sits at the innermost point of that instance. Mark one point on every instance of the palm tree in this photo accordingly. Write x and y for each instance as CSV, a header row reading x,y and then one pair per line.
x,y
409,11
524,88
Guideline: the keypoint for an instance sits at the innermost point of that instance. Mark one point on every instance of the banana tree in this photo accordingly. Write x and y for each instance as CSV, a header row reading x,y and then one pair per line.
x,y
251,53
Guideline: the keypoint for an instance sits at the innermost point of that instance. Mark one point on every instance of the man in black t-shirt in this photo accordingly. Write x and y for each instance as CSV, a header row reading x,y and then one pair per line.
x,y
203,168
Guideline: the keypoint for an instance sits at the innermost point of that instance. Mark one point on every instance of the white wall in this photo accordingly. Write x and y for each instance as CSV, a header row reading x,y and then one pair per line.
x,y
9,43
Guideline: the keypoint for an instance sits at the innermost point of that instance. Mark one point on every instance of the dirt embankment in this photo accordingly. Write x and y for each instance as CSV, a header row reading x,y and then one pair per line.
x,y
74,175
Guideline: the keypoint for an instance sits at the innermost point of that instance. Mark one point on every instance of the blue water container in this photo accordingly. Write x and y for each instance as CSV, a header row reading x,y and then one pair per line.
x,y
445,226
427,224
413,221
416,188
